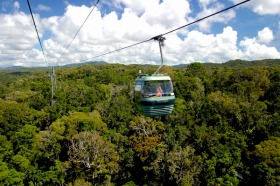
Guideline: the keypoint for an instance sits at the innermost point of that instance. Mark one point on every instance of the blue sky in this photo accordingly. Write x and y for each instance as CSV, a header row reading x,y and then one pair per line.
x,y
249,32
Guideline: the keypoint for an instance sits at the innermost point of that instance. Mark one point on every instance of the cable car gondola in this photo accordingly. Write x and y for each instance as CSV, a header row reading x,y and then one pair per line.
x,y
153,94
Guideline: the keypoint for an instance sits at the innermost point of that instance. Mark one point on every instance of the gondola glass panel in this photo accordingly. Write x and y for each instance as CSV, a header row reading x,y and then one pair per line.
x,y
153,95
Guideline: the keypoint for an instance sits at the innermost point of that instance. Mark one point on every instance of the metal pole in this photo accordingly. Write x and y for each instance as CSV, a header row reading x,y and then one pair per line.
x,y
53,79
160,40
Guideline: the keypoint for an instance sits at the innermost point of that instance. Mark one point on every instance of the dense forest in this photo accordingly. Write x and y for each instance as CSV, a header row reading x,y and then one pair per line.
x,y
224,129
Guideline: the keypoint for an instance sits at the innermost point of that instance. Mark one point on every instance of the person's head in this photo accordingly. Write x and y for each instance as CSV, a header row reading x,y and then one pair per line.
x,y
158,88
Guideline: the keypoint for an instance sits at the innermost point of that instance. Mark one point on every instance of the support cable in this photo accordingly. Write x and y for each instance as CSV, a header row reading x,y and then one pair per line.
x,y
79,29
53,77
37,32
155,37
160,40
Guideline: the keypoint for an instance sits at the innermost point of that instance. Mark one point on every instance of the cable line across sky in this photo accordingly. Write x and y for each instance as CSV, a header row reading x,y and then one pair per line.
x,y
52,74
79,29
37,32
155,37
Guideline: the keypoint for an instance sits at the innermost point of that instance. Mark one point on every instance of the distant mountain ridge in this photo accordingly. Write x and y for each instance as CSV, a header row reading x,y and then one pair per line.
x,y
86,63
238,63
63,66
263,62
12,68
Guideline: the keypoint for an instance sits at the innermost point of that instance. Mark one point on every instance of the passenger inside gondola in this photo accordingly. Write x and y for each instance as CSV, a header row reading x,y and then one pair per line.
x,y
159,91
156,88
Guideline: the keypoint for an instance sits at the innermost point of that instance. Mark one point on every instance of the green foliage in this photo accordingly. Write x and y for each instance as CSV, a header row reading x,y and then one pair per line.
x,y
21,163
15,115
91,152
10,176
184,166
77,122
269,152
224,128
131,183
119,113
80,182
266,158
146,136
6,149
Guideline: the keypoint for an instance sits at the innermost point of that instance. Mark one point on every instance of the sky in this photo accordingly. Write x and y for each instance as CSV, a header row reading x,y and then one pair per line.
x,y
248,32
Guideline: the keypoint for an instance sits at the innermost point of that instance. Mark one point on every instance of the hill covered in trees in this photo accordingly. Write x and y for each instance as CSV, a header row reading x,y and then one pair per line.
x,y
224,130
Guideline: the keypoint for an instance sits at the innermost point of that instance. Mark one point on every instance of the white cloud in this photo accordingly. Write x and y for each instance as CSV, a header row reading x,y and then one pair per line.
x,y
16,5
103,34
139,6
265,35
8,5
205,3
263,7
17,36
66,2
139,21
209,7
252,50
211,48
44,8
169,13
255,48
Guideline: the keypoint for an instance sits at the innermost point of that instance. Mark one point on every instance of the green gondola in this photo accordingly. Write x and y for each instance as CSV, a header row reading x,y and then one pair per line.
x,y
153,95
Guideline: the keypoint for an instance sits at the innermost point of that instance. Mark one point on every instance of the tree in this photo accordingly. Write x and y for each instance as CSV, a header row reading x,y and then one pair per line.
x,y
181,114
184,166
80,182
88,150
10,176
266,159
6,148
13,116
23,139
146,135
119,114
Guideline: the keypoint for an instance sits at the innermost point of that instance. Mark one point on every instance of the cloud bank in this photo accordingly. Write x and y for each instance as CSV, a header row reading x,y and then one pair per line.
x,y
138,21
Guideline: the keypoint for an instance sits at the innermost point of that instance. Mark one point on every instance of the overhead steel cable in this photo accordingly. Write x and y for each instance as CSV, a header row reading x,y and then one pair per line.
x,y
79,29
118,49
52,74
228,8
156,37
37,32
